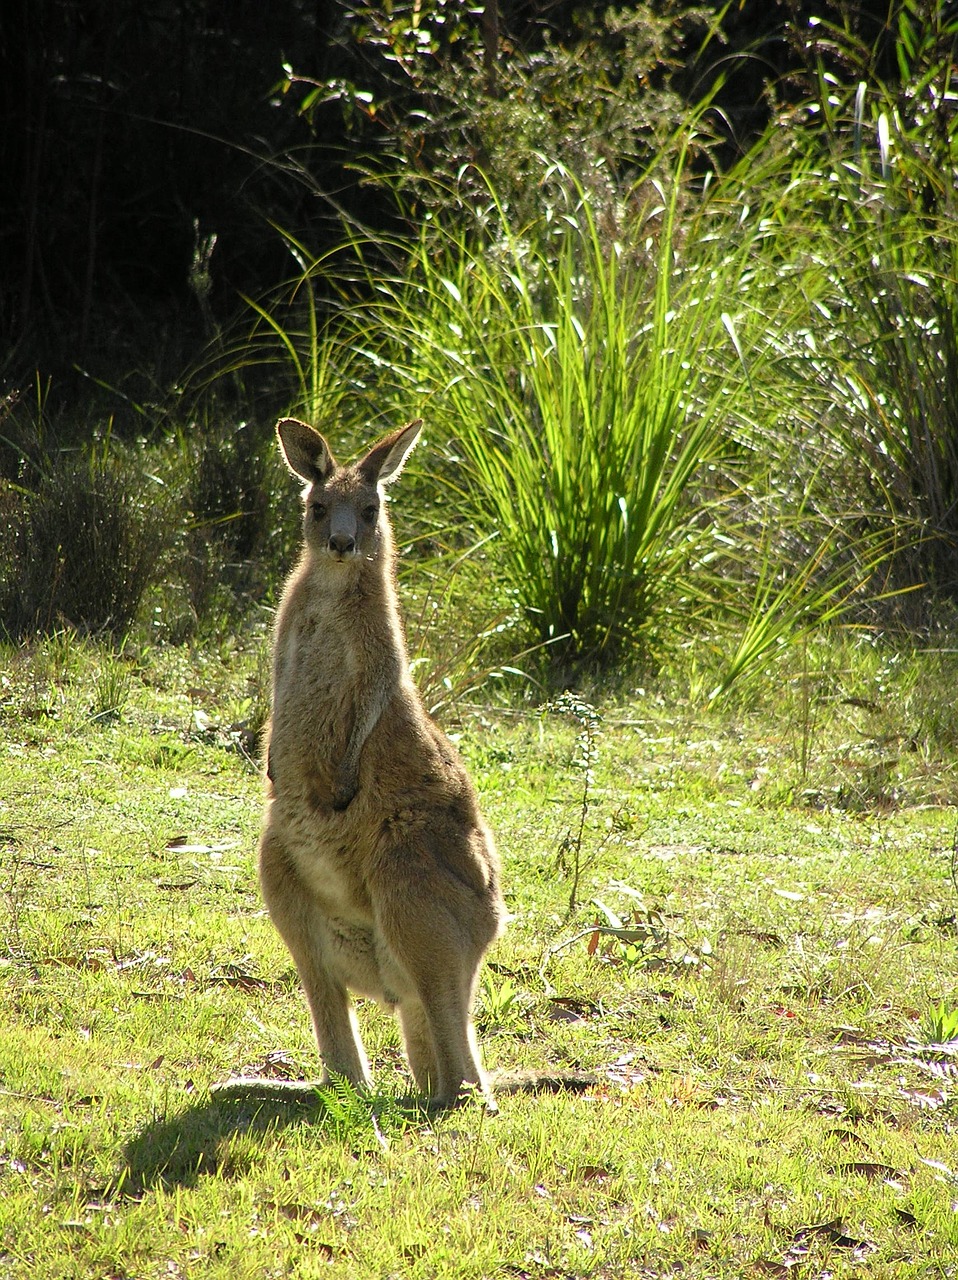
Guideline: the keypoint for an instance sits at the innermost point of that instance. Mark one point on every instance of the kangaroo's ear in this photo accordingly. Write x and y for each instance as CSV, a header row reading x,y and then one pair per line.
x,y
306,452
384,461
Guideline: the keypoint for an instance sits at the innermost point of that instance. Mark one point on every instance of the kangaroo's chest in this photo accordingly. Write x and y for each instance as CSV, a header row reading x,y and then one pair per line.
x,y
317,671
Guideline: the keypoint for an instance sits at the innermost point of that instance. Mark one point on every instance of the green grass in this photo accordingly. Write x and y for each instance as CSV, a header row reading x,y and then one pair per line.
x,y
756,994
592,377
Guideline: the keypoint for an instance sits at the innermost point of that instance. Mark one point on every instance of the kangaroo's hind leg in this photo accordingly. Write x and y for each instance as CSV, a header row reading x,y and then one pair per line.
x,y
446,1002
440,955
440,1042
302,927
417,1038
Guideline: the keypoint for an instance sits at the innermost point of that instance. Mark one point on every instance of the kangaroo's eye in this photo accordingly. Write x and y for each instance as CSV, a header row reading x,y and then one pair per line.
x,y
370,513
318,511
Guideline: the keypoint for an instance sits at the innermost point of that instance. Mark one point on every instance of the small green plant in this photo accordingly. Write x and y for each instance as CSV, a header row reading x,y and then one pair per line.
x,y
939,1025
570,858
501,1004
60,654
111,687
359,1118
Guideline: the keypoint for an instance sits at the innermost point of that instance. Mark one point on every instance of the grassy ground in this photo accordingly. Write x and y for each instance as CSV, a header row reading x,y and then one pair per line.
x,y
741,923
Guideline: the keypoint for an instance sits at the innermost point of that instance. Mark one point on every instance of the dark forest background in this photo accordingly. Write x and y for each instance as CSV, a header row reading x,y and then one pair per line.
x,y
132,134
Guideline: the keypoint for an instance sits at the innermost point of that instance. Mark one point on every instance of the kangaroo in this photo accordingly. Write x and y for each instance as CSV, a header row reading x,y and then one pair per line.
x,y
374,862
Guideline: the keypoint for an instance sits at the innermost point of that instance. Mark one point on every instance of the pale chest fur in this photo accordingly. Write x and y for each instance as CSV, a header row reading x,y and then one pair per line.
x,y
314,686
327,664
329,679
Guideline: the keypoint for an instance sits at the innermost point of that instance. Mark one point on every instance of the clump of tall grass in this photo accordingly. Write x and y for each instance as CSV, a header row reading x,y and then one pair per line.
x,y
84,545
597,384
626,407
869,212
710,408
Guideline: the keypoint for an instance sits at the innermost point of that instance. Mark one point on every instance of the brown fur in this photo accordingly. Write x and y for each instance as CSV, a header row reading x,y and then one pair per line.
x,y
375,863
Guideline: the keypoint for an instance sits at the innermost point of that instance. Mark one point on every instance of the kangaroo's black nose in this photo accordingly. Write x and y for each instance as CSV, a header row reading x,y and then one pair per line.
x,y
341,544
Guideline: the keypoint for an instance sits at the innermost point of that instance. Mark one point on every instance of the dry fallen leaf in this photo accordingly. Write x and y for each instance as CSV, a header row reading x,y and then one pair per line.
x,y
905,1217
833,1233
569,1009
867,1169
767,1267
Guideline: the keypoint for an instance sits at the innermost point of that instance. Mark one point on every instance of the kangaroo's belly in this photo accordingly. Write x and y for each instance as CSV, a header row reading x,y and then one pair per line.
x,y
325,854
322,849
361,961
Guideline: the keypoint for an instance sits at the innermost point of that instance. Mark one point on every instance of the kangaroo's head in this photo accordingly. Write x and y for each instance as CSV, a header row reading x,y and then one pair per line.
x,y
345,520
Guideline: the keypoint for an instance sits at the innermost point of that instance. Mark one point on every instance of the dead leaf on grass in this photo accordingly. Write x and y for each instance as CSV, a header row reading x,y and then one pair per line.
x,y
545,1270
847,1135
767,1267
905,1218
233,975
833,1233
849,1035
868,1169
628,1071
197,693
276,1065
569,1009
763,936
309,1219
144,1066
581,1231
782,1011
925,1101
308,1214
183,844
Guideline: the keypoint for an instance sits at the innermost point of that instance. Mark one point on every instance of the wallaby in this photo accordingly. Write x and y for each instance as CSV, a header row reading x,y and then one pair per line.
x,y
375,864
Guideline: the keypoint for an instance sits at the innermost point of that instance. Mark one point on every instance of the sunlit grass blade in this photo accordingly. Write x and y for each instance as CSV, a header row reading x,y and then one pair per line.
x,y
787,602
587,384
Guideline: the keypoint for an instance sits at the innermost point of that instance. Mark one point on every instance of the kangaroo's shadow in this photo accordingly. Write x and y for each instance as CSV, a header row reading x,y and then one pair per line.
x,y
179,1149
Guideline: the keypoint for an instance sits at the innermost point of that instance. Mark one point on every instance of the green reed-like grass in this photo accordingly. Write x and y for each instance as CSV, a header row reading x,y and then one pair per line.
x,y
867,214
717,407
595,379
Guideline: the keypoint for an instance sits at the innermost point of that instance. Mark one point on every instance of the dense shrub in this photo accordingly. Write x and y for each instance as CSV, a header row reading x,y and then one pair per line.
x,y
82,547
868,168
226,520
